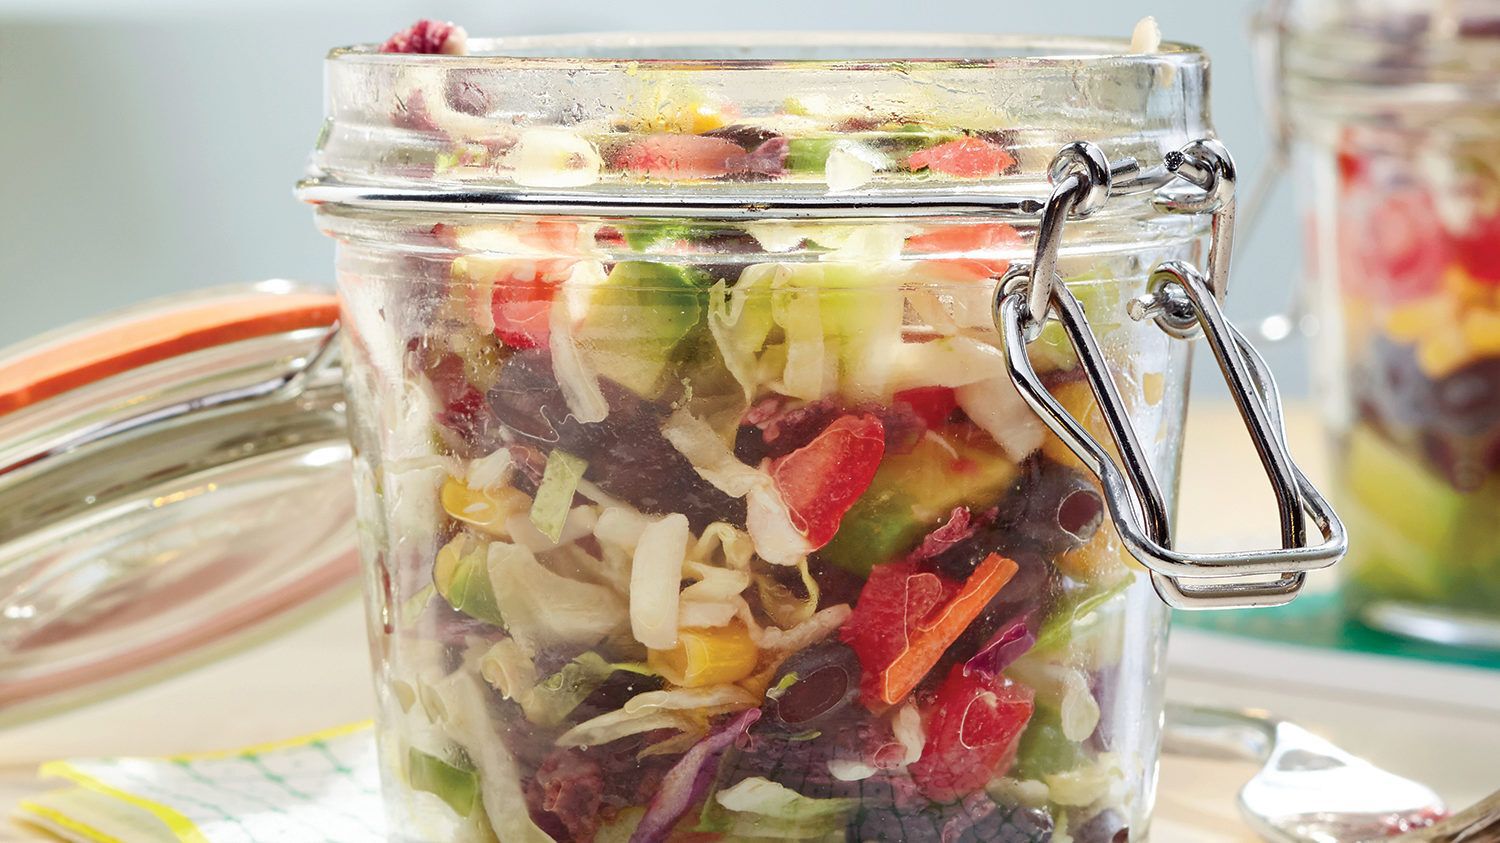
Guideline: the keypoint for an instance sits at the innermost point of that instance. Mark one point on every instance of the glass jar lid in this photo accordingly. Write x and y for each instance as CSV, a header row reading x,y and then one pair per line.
x,y
171,477
1386,58
560,122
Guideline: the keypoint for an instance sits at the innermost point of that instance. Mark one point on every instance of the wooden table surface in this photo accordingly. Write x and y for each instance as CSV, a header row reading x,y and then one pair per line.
x,y
1440,725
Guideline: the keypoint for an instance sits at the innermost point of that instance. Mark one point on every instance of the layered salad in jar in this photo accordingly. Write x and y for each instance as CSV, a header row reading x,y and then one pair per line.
x,y
697,530
1418,286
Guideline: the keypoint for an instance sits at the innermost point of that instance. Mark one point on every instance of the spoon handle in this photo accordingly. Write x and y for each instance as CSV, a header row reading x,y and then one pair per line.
x,y
1478,823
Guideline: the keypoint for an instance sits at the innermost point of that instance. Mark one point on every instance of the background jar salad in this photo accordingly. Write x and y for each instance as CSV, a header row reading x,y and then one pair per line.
x,y
701,499
1395,122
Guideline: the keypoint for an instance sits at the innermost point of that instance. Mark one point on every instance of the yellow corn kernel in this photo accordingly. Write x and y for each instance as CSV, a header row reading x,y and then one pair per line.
x,y
1481,330
1103,561
1461,287
486,509
1078,400
1420,319
1441,354
1153,387
707,656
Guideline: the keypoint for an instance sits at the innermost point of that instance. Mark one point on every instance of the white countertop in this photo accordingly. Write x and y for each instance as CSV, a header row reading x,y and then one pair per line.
x,y
1437,724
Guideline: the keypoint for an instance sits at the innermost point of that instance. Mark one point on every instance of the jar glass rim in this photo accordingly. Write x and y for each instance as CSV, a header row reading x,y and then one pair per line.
x,y
810,50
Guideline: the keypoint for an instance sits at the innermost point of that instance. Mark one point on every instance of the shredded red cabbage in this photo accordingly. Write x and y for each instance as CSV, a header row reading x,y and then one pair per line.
x,y
689,779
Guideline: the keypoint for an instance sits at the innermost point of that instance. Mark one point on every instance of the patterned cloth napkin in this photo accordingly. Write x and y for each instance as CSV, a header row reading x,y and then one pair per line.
x,y
322,788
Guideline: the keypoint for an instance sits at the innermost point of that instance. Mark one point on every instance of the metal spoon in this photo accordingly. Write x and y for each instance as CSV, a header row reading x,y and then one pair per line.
x,y
1310,791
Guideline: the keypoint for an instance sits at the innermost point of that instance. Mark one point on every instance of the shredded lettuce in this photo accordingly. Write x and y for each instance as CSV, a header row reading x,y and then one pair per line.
x,y
717,698
549,702
758,807
740,322
710,456
783,606
461,575
613,725
554,497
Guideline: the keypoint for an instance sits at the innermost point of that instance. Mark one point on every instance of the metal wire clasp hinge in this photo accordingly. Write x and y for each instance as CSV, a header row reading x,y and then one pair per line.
x,y
1184,303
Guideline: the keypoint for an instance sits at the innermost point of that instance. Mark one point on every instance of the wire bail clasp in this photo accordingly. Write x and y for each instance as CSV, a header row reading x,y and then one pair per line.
x,y
1184,303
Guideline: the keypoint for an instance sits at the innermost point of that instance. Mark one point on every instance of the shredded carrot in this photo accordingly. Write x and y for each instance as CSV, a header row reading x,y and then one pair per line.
x,y
928,639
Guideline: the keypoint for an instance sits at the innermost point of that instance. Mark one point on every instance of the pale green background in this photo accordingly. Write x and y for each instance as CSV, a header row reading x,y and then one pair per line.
x,y
149,147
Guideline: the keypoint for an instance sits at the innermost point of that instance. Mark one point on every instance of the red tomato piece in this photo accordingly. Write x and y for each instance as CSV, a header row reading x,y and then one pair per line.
x,y
1398,250
1478,250
822,479
680,157
522,302
961,239
932,404
967,157
906,617
973,731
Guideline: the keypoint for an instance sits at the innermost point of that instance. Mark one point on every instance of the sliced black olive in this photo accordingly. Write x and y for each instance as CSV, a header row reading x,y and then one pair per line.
x,y
813,686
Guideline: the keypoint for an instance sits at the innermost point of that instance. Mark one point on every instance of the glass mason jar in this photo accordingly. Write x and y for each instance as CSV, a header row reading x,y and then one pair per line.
x,y
1396,125
700,498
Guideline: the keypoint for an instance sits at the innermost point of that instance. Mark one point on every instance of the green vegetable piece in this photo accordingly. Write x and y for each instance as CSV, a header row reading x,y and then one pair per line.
x,y
911,494
637,317
1057,629
554,497
555,697
808,155
461,575
1396,488
643,234
457,786
1044,749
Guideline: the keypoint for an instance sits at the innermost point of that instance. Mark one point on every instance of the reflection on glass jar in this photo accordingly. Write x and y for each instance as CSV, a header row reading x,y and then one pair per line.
x,y
737,529
1404,245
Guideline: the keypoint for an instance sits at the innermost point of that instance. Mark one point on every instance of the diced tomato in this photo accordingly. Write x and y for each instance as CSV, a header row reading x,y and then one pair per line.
x,y
1478,250
973,731
960,239
520,300
1397,250
822,479
932,404
680,156
967,157
906,617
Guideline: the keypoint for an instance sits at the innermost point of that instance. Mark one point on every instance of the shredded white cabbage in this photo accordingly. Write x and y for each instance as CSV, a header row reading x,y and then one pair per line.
x,y
846,770
1088,784
948,361
551,157
613,725
710,456
468,723
811,372
706,614
777,539
907,726
575,376
1000,411
805,634
544,610
490,471
721,539
688,699
508,669
852,165
655,576
740,321
714,584
578,523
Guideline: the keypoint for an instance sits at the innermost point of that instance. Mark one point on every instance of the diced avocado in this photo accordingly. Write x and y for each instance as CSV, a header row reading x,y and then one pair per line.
x,y
913,493
1397,490
1044,749
1385,562
456,785
808,155
461,574
637,317
643,234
